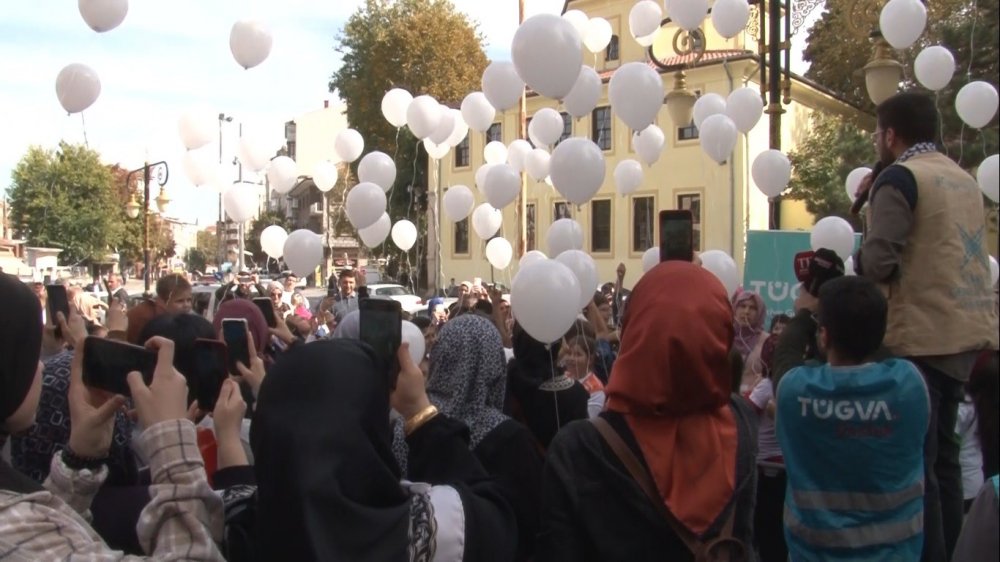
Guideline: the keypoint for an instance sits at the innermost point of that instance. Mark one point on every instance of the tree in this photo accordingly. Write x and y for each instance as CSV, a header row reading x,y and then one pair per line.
x,y
252,239
424,46
60,198
196,259
832,148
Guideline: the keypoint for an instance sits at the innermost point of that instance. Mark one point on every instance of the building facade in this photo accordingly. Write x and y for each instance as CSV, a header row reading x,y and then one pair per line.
x,y
724,200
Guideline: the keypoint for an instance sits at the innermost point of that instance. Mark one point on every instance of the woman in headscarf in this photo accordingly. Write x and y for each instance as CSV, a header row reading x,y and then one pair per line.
x,y
749,314
669,404
47,522
538,392
467,382
328,485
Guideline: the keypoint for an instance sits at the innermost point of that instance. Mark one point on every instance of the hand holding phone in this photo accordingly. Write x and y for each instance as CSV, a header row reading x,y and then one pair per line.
x,y
676,236
235,332
107,363
209,371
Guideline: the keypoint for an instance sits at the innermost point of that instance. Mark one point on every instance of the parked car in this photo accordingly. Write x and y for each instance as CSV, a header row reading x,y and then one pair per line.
x,y
411,303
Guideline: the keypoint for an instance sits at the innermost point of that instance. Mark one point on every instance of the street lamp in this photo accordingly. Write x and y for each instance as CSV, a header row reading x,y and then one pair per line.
x,y
132,208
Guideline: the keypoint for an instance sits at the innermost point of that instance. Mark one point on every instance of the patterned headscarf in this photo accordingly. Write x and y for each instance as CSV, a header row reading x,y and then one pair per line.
x,y
747,336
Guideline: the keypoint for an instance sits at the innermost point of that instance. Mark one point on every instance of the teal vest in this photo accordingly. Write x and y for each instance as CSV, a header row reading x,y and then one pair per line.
x,y
853,440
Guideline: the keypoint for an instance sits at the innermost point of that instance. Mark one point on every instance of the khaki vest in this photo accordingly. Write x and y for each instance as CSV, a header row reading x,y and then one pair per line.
x,y
942,301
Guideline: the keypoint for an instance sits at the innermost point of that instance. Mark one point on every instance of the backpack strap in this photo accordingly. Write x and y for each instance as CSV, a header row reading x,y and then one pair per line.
x,y
720,549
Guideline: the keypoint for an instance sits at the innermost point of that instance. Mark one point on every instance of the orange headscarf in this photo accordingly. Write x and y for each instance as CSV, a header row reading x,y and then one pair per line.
x,y
671,382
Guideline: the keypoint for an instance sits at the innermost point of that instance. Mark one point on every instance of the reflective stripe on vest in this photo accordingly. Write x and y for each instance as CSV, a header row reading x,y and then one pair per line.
x,y
856,537
857,501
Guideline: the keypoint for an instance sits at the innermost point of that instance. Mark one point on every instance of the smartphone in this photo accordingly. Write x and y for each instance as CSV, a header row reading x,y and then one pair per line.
x,y
676,236
234,332
57,302
107,363
266,307
210,370
382,329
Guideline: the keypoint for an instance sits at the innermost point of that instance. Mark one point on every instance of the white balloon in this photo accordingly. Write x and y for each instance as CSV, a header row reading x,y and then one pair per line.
x,y
994,271
988,177
636,94
282,174
459,131
240,202
272,241
436,151
379,169
628,176
499,253
708,105
730,17
303,252
546,127
650,259
503,184
365,204
482,173
849,266
564,234
477,111
196,127
501,85
495,153
579,20
445,127
598,35
833,233
349,145
536,163
577,169
531,257
458,202
77,87
250,42
902,22
395,102
771,171
517,152
585,270
103,15
404,235
934,67
648,40
544,299
423,116
325,175
723,267
854,180
648,144
744,106
586,92
486,221
412,335
718,137
254,152
375,234
688,14
976,103
644,18
546,50
201,167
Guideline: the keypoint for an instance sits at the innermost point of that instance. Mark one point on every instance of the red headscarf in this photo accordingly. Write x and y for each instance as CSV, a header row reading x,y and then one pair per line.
x,y
244,309
671,382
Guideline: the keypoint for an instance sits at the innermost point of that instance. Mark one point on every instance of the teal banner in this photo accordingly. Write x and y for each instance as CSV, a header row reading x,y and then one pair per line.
x,y
769,269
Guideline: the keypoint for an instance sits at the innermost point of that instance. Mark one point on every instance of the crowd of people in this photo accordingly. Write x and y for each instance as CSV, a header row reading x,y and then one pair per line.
x,y
678,423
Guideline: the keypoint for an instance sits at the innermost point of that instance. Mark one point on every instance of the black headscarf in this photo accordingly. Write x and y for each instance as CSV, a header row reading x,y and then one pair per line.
x,y
20,348
328,483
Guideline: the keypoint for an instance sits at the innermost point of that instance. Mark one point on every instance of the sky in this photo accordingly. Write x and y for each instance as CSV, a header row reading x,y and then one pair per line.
x,y
172,55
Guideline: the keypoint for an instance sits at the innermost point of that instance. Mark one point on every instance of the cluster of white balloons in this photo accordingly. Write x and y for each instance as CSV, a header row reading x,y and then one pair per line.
x,y
547,294
440,127
719,120
78,85
718,262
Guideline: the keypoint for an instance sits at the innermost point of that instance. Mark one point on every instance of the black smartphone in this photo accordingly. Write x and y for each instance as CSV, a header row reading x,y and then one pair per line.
x,y
267,308
676,236
107,363
57,302
210,371
234,332
382,329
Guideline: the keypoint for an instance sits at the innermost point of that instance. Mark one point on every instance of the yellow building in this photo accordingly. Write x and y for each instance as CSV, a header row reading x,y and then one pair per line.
x,y
617,229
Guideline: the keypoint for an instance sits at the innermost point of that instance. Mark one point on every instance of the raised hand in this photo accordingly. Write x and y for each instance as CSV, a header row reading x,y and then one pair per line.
x,y
166,397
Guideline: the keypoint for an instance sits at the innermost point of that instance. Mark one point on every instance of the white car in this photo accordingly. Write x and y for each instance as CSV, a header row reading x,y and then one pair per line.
x,y
410,303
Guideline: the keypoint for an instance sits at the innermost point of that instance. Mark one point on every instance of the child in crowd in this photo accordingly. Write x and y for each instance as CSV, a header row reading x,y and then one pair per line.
x,y
579,359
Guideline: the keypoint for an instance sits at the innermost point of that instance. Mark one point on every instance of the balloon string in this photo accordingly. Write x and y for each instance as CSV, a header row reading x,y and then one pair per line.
x,y
552,376
968,76
937,102
83,122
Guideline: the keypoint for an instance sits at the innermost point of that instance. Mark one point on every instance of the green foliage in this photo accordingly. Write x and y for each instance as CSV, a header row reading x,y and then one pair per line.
x,y
252,238
60,198
196,259
832,148
424,46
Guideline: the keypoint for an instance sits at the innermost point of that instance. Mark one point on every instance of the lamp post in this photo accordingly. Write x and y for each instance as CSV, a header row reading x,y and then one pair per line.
x,y
132,208
223,118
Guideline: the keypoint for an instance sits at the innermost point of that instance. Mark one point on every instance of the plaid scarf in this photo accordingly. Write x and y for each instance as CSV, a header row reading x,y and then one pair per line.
x,y
919,148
